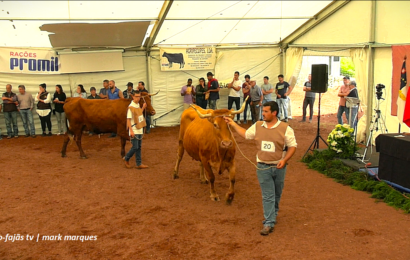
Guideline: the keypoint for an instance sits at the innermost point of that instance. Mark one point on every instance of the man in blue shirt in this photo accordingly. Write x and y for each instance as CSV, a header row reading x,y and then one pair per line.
x,y
104,91
114,93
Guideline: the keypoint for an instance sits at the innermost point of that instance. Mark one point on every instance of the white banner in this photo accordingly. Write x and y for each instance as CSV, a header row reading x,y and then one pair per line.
x,y
177,59
29,61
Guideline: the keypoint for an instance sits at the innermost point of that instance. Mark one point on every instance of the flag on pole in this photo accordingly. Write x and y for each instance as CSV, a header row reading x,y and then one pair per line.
x,y
402,114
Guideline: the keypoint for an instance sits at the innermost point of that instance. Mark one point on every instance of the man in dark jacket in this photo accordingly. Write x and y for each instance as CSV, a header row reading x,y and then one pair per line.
x,y
10,112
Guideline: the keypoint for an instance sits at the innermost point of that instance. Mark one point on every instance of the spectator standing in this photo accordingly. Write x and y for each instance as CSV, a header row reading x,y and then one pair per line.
x,y
267,90
188,93
343,92
213,90
113,94
309,99
135,131
129,91
235,94
200,91
353,94
26,105
246,87
59,98
80,92
93,95
10,112
283,89
104,91
142,89
256,100
44,109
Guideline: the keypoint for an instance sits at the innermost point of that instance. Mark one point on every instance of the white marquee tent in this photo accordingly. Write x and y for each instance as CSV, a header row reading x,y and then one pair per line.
x,y
253,37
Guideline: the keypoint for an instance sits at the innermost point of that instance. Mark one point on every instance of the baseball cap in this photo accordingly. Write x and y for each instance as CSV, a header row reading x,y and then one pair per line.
x,y
92,88
346,77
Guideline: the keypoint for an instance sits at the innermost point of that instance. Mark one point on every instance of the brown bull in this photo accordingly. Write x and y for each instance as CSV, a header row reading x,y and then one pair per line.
x,y
205,136
99,116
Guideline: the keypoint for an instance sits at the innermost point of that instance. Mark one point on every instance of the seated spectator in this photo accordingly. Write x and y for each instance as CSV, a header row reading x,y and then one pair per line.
x,y
80,92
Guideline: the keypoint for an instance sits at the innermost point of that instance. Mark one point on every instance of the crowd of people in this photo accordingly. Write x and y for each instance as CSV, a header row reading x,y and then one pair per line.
x,y
12,104
206,95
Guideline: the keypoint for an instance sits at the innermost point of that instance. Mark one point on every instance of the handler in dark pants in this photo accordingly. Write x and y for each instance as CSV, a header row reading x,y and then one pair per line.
x,y
309,99
135,124
272,138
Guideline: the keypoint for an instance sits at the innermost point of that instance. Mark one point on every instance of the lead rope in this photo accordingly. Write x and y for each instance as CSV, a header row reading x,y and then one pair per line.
x,y
233,137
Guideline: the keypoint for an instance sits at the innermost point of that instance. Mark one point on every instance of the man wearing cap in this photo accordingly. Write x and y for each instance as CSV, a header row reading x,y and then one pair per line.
x,y
343,92
276,144
129,91
256,100
93,94
213,90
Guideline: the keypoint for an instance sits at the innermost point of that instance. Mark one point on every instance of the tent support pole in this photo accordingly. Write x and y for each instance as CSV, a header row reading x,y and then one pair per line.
x,y
370,66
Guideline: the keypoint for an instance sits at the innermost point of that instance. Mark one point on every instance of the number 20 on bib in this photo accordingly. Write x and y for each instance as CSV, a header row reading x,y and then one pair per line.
x,y
268,146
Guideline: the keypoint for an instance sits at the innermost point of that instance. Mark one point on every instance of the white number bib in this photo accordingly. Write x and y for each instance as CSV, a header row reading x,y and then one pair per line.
x,y
140,118
268,146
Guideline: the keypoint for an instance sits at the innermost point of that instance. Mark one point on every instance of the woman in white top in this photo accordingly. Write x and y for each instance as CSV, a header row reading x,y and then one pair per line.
x,y
44,108
80,92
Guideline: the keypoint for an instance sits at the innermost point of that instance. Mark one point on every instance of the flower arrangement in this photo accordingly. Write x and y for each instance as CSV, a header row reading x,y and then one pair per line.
x,y
341,141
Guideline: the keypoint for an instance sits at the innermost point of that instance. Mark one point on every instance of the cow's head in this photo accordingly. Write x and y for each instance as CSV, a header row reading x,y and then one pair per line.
x,y
220,128
146,98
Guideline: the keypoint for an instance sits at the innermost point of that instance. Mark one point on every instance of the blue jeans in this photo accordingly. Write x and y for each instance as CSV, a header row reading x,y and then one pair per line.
x,y
148,122
11,118
201,102
283,106
27,118
271,181
136,148
61,122
340,111
212,104
354,116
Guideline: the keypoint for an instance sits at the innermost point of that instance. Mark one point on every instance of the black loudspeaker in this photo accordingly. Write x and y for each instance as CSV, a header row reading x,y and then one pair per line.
x,y
319,78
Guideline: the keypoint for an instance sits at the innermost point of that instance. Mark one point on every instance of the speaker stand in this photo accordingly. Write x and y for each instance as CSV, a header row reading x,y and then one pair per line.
x,y
315,143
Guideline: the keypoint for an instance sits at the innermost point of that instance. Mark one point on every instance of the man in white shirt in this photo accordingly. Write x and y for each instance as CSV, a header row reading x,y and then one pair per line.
x,y
134,118
235,94
276,144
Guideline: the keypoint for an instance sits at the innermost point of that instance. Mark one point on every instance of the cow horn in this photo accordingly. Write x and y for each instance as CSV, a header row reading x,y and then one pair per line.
x,y
200,114
153,94
242,108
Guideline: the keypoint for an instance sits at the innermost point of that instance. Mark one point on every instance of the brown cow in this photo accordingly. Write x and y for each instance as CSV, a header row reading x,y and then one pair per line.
x,y
205,136
99,116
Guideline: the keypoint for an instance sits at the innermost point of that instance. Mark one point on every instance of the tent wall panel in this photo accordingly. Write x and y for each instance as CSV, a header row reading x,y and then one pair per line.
x,y
346,26
392,17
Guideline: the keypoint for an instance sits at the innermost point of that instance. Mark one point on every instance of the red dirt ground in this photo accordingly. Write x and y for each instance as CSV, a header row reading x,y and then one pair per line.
x,y
143,214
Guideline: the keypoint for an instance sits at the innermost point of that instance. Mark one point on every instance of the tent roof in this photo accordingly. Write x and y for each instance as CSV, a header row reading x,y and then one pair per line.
x,y
186,22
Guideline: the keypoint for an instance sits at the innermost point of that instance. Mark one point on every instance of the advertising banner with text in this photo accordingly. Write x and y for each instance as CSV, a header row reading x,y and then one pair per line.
x,y
177,59
29,61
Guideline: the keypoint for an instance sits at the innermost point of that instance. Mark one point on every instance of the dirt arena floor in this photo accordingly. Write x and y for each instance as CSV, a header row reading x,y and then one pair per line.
x,y
143,214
